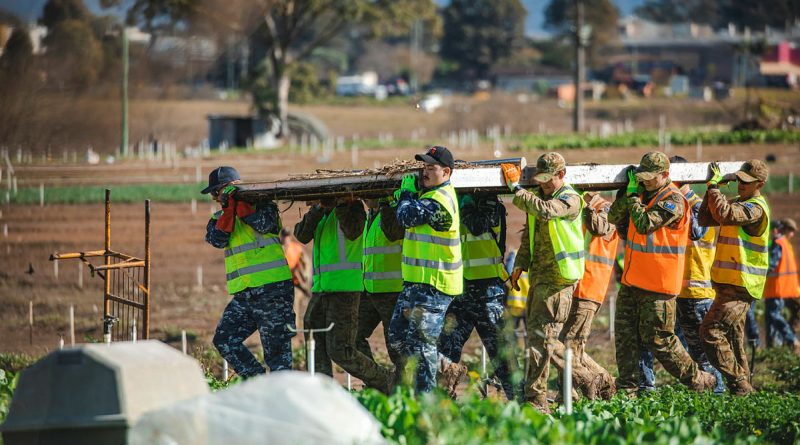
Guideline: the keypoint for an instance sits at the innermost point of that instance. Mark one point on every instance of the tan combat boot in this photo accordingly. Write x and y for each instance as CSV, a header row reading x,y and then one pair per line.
x,y
703,381
450,375
741,388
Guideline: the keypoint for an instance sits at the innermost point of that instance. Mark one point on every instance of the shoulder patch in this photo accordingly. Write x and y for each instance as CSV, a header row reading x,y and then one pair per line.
x,y
668,206
749,205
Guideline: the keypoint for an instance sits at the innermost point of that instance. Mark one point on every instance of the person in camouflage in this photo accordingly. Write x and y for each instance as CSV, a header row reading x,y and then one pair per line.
x,y
722,330
655,208
418,318
338,307
377,308
550,294
481,306
267,308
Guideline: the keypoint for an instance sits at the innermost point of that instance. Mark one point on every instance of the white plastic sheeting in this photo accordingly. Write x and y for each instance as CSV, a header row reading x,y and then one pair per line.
x,y
289,407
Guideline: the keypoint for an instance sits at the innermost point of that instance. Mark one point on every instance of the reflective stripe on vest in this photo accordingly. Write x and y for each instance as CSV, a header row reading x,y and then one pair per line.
x,y
482,256
655,262
567,238
743,263
433,257
381,260
599,268
697,272
253,259
337,260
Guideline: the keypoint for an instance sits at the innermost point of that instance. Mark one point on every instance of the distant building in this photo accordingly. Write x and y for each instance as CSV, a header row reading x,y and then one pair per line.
x,y
530,79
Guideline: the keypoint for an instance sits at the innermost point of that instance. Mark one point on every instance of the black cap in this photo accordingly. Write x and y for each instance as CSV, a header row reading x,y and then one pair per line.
x,y
219,177
437,155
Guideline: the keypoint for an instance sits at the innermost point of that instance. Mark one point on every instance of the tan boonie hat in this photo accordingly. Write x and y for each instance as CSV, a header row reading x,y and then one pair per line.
x,y
753,170
651,165
548,165
790,224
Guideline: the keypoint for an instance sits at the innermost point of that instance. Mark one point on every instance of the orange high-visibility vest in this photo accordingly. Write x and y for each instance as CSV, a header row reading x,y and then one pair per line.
x,y
599,265
783,283
655,262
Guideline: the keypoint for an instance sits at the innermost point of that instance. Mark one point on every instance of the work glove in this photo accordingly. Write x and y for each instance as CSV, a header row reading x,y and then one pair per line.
x,y
716,175
226,194
633,183
409,184
515,278
511,173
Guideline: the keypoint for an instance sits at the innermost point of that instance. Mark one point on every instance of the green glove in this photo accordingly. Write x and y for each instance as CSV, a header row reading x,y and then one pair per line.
x,y
633,183
716,175
408,184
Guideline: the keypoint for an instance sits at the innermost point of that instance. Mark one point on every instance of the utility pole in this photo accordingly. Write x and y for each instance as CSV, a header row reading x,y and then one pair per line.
x,y
123,149
581,35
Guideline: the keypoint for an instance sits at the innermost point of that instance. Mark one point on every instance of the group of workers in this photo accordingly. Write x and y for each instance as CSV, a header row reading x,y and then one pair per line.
x,y
428,264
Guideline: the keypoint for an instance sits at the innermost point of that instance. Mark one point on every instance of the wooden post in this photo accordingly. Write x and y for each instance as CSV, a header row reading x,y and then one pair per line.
x,y
72,325
80,275
55,269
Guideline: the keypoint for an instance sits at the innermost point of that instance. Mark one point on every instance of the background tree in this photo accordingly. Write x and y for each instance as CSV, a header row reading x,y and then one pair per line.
x,y
477,33
601,15
282,32
680,11
718,13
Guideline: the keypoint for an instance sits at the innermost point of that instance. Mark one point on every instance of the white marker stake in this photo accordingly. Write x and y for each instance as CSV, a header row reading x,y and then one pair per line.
x,y
5,230
60,342
133,331
224,370
568,381
183,342
483,361
200,277
80,275
41,195
194,207
72,325
30,321
791,182
55,269
349,382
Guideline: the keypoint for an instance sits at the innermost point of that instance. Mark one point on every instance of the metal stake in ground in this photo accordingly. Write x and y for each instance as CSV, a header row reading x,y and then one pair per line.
x,y
568,381
311,344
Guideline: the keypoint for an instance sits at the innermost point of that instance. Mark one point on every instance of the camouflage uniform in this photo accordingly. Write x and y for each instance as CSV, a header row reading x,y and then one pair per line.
x,y
482,305
339,308
378,308
418,318
550,295
722,330
588,375
267,309
644,316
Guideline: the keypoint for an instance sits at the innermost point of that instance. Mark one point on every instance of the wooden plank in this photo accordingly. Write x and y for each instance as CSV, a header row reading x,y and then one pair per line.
x,y
483,179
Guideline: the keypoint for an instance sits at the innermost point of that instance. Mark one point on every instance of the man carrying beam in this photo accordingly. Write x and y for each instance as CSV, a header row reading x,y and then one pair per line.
x,y
432,269
337,228
739,271
259,278
383,279
552,250
655,256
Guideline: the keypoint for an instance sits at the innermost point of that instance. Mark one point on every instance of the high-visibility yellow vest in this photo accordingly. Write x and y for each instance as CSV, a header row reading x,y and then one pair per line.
x,y
741,259
434,257
567,238
253,259
697,271
481,255
381,260
517,300
337,260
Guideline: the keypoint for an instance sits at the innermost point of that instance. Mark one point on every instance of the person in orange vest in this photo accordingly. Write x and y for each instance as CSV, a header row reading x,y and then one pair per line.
x,y
589,377
739,271
781,283
296,260
655,256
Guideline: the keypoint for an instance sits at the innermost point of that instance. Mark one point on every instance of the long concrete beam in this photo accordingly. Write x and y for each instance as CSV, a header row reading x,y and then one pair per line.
x,y
477,178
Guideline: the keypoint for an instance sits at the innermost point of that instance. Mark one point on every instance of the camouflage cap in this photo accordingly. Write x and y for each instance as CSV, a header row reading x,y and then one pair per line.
x,y
548,165
651,165
789,224
753,170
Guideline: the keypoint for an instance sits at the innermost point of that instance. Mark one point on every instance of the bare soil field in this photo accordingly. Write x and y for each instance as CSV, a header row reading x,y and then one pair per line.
x,y
178,247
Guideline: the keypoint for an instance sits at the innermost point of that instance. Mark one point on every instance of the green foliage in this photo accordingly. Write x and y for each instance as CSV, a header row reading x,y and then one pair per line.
x,y
600,15
8,382
783,365
719,14
74,55
120,194
668,416
477,33
14,362
651,139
